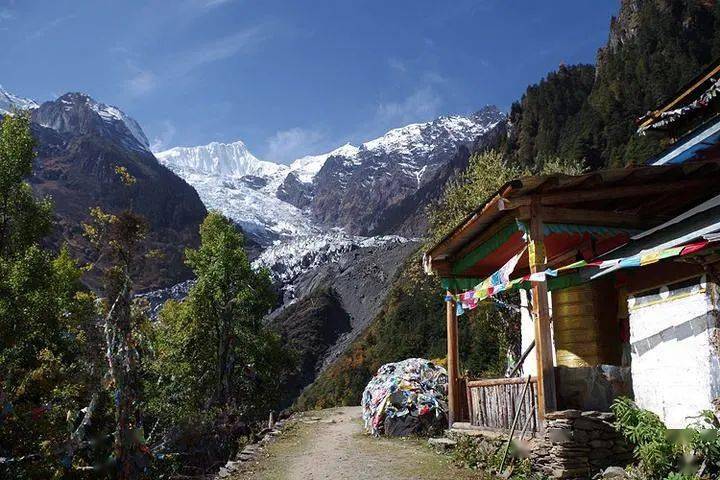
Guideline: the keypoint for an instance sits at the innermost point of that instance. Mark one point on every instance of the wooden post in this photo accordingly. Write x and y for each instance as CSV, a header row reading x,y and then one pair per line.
x,y
452,362
547,400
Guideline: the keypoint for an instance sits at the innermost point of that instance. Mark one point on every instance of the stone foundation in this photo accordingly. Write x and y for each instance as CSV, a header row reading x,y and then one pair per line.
x,y
578,445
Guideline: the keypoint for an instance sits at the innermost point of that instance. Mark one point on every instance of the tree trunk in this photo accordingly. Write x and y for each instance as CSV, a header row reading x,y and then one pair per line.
x,y
123,360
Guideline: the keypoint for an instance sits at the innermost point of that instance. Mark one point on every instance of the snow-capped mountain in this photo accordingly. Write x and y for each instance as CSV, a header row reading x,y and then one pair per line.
x,y
350,188
306,168
375,189
218,159
10,102
232,180
78,113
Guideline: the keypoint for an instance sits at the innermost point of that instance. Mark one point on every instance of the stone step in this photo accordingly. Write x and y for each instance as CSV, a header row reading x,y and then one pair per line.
x,y
442,443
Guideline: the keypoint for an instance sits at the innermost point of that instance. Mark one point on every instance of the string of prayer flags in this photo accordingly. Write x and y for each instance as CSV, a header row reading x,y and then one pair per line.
x,y
500,280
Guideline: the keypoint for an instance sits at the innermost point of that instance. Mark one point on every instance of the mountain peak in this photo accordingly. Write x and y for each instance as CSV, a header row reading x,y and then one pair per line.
x,y
441,134
216,158
79,112
307,167
10,102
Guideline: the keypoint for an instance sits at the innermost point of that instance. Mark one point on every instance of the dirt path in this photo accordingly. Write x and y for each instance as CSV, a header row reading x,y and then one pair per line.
x,y
331,445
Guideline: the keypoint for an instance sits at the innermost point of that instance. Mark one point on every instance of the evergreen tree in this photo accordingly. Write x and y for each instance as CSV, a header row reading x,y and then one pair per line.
x,y
216,364
587,115
46,323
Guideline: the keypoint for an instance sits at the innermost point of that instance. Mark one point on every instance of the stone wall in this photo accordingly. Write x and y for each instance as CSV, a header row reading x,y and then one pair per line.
x,y
578,445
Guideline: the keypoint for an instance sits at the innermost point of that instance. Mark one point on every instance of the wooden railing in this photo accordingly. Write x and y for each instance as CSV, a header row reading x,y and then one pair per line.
x,y
493,404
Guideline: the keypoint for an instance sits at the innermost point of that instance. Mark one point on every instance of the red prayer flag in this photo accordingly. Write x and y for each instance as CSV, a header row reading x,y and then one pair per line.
x,y
694,247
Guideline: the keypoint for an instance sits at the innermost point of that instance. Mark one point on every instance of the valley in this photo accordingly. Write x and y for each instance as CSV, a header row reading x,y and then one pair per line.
x,y
335,226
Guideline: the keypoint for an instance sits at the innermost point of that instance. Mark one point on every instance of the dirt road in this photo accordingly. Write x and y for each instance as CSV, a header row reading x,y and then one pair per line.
x,y
331,445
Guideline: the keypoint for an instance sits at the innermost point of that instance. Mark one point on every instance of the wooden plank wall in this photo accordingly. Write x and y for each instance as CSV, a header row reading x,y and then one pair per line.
x,y
493,404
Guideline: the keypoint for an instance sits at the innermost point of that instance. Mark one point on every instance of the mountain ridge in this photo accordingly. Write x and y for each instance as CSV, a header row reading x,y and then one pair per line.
x,y
80,143
344,189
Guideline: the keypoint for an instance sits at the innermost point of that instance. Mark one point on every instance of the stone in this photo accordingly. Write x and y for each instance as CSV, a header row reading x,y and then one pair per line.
x,y
564,414
591,424
442,443
615,473
581,436
560,423
559,435
570,472
602,444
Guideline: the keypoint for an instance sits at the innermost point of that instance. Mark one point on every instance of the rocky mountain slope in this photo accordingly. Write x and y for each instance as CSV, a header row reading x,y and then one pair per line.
x,y
10,102
80,143
360,192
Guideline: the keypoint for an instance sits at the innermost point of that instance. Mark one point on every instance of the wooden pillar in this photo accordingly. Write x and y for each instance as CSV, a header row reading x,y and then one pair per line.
x,y
452,362
547,399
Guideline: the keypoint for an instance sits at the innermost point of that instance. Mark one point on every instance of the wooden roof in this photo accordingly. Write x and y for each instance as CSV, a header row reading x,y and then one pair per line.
x,y
629,198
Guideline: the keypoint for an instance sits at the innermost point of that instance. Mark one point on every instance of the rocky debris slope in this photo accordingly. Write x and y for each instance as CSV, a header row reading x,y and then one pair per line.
x,y
361,279
310,327
334,304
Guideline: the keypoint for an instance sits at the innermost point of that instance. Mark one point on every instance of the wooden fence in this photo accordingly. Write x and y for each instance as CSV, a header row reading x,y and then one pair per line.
x,y
493,403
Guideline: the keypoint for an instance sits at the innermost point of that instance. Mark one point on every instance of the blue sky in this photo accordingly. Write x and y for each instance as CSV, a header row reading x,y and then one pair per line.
x,y
291,78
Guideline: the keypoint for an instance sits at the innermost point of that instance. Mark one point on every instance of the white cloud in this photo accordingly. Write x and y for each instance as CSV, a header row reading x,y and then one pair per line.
x,y
397,65
210,3
163,140
143,81
6,14
50,26
287,145
220,49
423,104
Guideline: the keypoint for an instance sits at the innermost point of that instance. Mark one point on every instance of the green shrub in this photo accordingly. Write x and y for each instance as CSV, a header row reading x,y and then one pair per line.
x,y
691,453
486,455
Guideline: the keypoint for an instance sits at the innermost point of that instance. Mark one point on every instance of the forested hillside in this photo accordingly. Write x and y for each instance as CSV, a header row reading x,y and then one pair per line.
x,y
587,115
576,118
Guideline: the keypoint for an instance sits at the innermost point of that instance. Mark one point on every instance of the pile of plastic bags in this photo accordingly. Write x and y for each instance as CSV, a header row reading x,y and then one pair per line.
x,y
404,398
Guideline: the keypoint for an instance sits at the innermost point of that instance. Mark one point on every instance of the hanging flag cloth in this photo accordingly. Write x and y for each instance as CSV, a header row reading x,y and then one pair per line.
x,y
500,280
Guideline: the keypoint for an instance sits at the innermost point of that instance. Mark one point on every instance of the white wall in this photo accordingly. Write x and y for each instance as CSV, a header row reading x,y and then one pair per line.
x,y
674,366
527,331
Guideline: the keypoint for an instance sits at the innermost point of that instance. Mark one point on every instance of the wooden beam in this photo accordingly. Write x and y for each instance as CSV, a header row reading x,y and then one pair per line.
x,y
547,398
490,382
581,216
489,241
622,192
452,362
679,98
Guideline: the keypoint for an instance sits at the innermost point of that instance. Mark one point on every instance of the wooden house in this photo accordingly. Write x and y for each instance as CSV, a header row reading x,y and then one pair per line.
x,y
619,278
